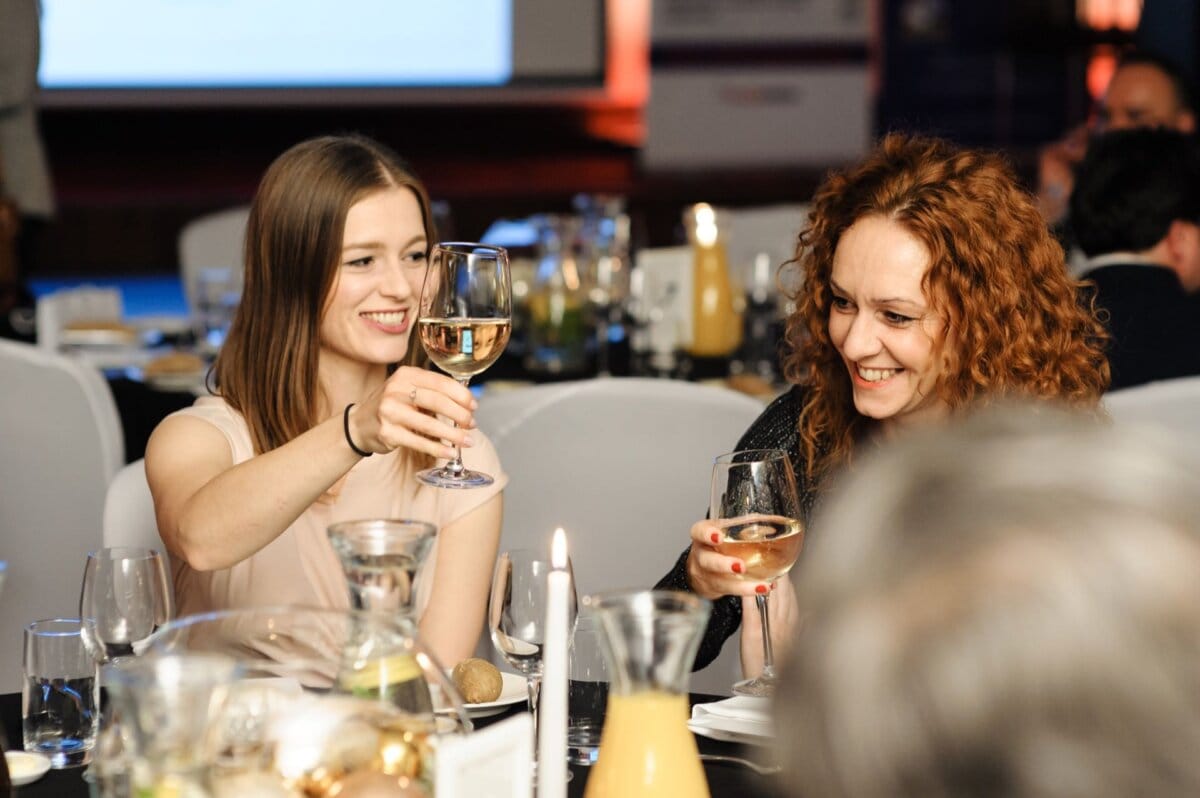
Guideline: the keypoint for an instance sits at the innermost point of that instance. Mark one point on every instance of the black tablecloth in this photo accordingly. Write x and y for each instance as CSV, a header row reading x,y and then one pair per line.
x,y
724,781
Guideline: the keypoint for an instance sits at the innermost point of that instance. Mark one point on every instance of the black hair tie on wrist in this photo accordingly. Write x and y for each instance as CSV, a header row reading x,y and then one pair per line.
x,y
346,429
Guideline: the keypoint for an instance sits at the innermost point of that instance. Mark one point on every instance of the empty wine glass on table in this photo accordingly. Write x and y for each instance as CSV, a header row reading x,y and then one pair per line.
x,y
755,504
517,618
465,323
124,599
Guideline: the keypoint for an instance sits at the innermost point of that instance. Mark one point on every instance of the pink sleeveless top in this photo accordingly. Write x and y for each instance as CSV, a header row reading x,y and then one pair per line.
x,y
299,566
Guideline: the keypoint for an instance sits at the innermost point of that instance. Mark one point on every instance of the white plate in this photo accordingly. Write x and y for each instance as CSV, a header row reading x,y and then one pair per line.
x,y
179,381
728,736
512,691
25,767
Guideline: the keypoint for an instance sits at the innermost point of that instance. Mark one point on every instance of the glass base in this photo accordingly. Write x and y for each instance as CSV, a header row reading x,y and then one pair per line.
x,y
533,777
445,478
758,686
63,756
583,742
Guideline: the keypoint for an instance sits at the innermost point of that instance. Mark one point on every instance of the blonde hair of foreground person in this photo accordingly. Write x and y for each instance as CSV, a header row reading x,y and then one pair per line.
x,y
1006,607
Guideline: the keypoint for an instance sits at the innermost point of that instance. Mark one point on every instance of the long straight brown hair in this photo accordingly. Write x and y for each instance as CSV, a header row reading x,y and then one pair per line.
x,y
267,367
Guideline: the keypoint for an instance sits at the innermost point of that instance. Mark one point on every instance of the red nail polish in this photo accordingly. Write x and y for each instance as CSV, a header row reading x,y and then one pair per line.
x,y
737,567
761,589
716,538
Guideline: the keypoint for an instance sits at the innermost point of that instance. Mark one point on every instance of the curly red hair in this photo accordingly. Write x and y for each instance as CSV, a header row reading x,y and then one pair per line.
x,y
1015,325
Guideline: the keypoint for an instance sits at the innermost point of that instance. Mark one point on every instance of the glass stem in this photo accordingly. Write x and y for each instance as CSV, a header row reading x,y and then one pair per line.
x,y
534,683
768,671
455,466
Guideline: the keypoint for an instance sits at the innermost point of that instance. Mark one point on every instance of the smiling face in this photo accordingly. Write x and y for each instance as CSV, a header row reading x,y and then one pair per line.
x,y
881,322
372,307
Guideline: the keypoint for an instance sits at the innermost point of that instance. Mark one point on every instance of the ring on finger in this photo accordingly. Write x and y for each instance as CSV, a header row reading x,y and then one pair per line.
x,y
412,396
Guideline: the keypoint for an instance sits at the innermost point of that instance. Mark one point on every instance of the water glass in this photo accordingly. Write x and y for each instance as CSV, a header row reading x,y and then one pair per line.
x,y
218,292
587,691
60,696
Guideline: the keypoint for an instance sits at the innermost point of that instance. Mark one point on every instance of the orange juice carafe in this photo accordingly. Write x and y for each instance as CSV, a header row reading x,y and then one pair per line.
x,y
716,324
646,748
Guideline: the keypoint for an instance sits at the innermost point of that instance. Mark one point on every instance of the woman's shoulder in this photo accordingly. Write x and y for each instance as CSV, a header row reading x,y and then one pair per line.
x,y
217,412
776,427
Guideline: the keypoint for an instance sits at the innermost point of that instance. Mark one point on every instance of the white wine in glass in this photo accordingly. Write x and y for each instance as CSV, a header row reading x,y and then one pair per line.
x,y
465,322
755,504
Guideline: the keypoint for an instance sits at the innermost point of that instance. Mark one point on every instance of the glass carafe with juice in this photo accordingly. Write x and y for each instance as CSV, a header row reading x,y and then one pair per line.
x,y
646,748
716,325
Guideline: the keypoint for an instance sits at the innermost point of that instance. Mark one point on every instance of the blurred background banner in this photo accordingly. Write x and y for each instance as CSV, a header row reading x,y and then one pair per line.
x,y
758,84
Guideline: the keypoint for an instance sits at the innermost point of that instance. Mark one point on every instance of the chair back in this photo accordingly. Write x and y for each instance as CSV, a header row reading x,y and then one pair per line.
x,y
624,466
1171,407
212,241
129,510
85,303
60,445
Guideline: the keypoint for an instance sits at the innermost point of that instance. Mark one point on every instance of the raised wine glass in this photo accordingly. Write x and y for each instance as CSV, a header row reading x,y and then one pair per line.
x,y
465,322
755,503
517,618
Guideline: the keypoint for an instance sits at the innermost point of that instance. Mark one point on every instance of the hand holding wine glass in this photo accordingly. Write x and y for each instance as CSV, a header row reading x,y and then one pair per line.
x,y
755,505
465,322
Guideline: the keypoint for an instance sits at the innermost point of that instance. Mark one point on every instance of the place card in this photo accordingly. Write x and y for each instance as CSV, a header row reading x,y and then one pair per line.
x,y
494,762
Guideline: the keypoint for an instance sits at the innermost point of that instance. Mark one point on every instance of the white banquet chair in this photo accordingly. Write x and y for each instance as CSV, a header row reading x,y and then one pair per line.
x,y
623,465
212,241
60,445
129,510
1169,407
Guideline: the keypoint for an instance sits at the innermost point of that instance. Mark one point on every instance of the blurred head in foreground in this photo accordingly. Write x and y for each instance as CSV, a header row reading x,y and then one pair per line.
x,y
1008,606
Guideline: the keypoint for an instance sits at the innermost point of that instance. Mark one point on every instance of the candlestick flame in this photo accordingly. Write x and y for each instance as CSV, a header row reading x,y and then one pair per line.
x,y
558,550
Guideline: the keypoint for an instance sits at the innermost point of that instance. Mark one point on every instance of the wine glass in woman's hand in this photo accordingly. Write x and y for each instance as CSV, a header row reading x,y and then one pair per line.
x,y
465,322
755,504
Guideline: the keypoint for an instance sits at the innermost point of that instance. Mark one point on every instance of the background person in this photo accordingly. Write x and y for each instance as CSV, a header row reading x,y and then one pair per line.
x,y
245,483
1010,606
1136,215
26,194
1146,90
930,283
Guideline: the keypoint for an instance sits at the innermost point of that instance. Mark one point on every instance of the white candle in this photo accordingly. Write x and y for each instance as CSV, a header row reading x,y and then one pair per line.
x,y
552,718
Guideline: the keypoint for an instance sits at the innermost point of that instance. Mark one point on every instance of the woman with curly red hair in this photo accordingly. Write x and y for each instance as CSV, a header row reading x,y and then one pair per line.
x,y
930,283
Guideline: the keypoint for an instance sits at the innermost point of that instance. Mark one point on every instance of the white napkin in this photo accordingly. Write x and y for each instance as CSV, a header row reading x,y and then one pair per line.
x,y
743,715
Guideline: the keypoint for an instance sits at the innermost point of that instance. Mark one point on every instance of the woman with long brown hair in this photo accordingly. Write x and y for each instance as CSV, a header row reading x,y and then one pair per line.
x,y
325,408
930,284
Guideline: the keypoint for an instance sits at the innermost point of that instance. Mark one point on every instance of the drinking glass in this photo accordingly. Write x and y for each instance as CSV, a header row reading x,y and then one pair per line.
x,y
755,503
125,597
517,617
60,693
465,322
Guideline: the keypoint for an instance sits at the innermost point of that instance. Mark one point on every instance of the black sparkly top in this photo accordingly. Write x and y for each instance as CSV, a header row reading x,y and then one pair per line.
x,y
776,428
